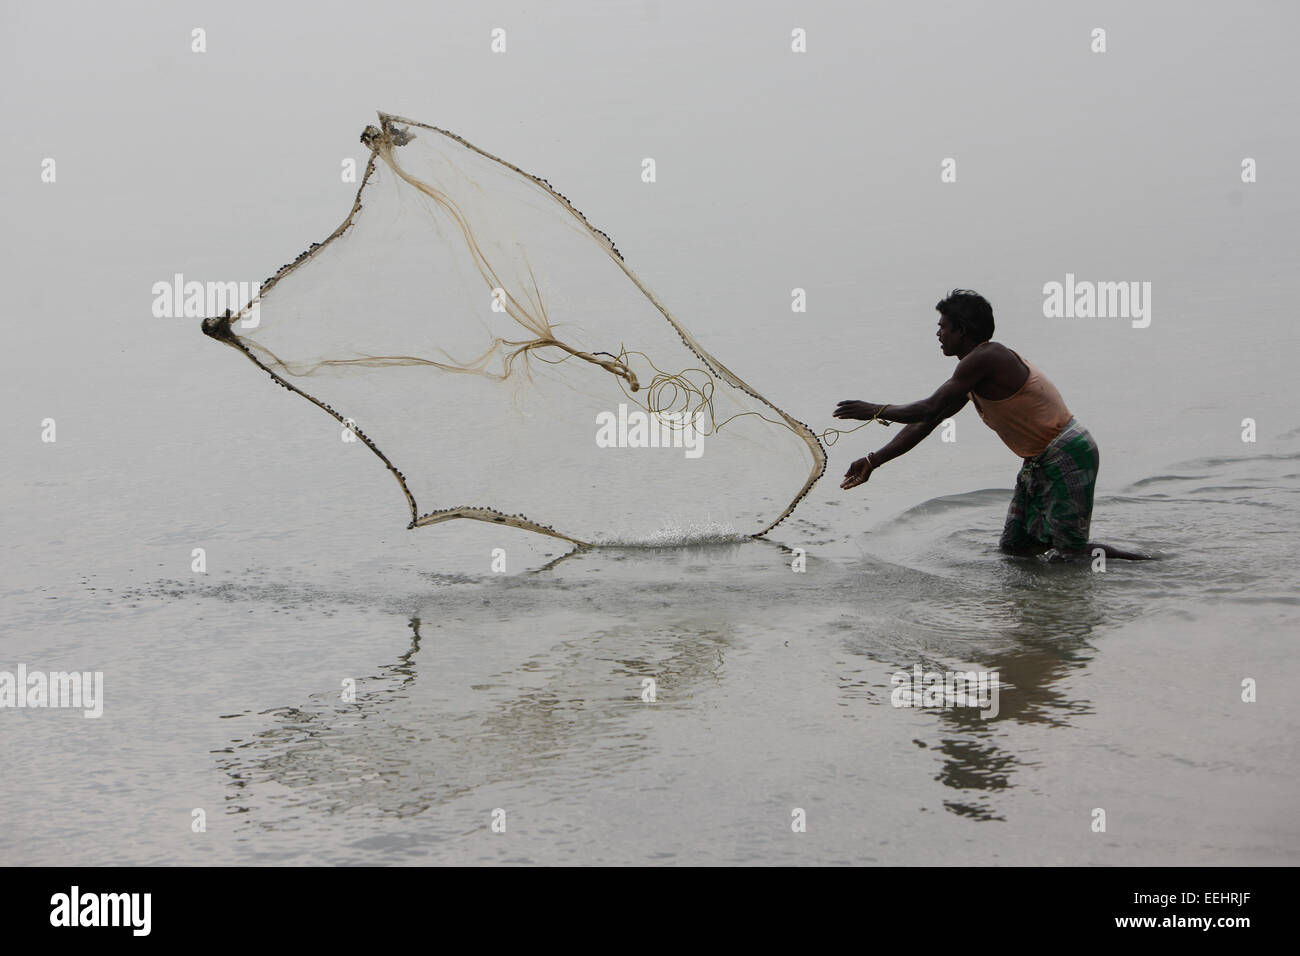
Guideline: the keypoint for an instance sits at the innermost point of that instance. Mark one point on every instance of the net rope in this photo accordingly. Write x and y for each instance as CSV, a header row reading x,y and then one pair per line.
x,y
465,194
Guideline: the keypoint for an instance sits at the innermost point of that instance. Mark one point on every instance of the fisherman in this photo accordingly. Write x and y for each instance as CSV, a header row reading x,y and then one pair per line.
x,y
1051,508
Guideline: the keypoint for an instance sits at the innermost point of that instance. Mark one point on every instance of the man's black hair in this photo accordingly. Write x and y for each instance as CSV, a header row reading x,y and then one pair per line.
x,y
969,310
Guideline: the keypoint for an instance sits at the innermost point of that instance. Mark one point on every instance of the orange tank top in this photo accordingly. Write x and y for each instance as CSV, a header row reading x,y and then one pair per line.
x,y
1028,420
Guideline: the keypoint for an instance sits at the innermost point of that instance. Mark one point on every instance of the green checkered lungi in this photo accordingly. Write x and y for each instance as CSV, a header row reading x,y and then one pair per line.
x,y
1052,503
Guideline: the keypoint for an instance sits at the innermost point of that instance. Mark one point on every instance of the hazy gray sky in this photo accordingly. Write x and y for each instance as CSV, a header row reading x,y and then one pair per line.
x,y
775,169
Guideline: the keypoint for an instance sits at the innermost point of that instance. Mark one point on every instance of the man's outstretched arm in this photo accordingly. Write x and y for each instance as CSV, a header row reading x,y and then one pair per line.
x,y
921,417
903,442
948,399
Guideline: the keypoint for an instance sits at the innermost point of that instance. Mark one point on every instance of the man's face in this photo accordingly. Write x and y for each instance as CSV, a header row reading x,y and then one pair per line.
x,y
949,336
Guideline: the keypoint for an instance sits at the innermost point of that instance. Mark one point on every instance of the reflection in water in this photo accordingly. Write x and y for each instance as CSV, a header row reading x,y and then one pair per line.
x,y
532,684
1035,624
1029,622
1046,641
412,741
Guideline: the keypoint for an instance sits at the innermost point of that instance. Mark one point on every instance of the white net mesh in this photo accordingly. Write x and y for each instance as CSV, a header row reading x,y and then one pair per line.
x,y
491,347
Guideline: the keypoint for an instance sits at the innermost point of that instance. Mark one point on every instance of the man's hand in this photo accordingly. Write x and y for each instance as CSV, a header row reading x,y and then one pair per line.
x,y
862,411
857,474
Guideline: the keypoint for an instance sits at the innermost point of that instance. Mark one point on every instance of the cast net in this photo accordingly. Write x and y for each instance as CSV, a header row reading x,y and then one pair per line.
x,y
495,352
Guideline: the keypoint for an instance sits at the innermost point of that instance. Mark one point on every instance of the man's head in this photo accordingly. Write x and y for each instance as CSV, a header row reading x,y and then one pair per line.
x,y
969,321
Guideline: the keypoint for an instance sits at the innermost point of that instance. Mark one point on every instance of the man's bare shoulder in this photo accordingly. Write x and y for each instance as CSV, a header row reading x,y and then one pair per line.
x,y
984,356
991,357
991,369
997,373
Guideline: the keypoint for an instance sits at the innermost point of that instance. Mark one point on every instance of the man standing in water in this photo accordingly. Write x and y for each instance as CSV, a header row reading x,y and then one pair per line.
x,y
1051,509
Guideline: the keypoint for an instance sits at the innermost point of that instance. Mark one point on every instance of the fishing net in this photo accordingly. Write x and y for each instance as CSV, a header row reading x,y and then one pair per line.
x,y
495,352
